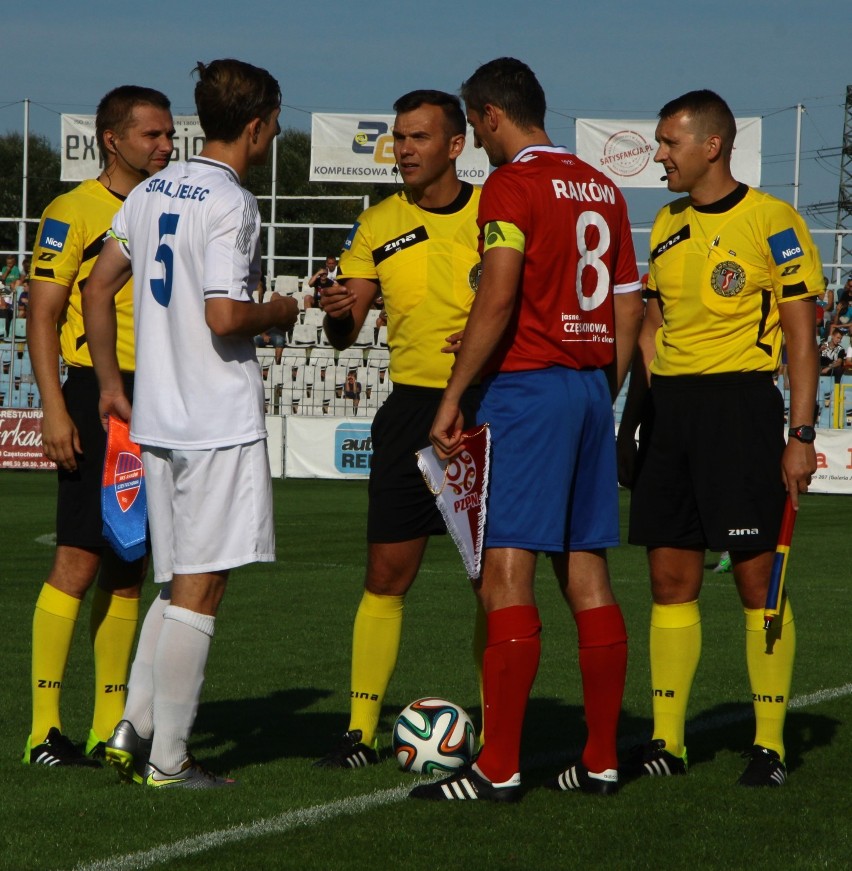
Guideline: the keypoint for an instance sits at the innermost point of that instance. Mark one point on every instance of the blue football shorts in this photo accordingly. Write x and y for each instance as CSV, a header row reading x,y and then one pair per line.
x,y
553,484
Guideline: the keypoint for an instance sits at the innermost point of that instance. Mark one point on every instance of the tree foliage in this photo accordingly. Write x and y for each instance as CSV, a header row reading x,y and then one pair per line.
x,y
43,184
294,157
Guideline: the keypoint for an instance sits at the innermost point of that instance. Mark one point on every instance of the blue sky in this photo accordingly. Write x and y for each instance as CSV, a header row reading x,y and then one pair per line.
x,y
605,59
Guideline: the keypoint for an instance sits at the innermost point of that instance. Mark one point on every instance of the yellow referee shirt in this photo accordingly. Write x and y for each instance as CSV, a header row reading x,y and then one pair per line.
x,y
70,237
720,272
427,264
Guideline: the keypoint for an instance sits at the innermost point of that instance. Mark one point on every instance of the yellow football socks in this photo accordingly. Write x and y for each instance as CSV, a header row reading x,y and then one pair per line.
x,y
375,647
53,628
675,651
113,629
770,656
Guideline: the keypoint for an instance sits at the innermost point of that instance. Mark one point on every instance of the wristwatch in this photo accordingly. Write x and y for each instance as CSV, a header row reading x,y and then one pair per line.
x,y
806,434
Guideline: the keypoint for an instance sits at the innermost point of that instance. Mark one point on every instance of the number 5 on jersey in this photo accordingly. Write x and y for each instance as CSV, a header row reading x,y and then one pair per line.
x,y
162,287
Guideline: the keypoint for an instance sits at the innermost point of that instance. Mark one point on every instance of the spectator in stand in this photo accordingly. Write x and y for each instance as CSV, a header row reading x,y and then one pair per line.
x,y
832,356
826,305
325,276
21,325
381,321
273,337
352,391
10,273
842,317
9,276
23,292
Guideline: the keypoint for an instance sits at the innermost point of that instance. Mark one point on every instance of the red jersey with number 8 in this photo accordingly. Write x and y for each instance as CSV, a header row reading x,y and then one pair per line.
x,y
571,223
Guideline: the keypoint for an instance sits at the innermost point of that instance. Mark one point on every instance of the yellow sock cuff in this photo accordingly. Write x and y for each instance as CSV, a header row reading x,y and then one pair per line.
x,y
381,606
59,604
754,617
676,616
110,605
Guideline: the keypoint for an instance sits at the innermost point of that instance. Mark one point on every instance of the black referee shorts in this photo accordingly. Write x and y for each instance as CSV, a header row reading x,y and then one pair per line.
x,y
709,468
78,504
401,508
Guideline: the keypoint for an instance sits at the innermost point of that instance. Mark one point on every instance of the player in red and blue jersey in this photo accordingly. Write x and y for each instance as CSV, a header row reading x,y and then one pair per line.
x,y
557,311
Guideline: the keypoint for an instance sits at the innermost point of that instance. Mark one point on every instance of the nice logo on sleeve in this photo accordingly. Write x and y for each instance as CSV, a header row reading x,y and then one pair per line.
x,y
53,234
785,246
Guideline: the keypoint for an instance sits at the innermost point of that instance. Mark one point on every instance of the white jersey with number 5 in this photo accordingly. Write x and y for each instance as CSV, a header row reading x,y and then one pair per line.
x,y
192,234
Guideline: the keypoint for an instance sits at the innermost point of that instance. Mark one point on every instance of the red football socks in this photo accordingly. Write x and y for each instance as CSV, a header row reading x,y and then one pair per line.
x,y
602,639
510,665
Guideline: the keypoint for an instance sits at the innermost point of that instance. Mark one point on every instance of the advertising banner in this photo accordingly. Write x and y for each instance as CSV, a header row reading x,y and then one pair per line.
x,y
20,439
327,447
81,158
624,150
834,462
360,148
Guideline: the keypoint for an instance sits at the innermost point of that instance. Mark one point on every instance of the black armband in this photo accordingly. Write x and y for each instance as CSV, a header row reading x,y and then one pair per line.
x,y
340,326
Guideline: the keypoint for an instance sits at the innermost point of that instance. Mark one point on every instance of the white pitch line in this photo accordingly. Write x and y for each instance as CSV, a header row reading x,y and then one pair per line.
x,y
272,826
285,822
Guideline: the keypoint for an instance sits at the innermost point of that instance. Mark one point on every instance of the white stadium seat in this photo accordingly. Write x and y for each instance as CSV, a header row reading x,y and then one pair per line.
x,y
287,285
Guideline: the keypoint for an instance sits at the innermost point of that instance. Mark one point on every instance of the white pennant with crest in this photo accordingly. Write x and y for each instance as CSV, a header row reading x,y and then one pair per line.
x,y
460,487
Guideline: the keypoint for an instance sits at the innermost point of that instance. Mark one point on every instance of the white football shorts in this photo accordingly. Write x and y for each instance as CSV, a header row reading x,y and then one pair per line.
x,y
209,510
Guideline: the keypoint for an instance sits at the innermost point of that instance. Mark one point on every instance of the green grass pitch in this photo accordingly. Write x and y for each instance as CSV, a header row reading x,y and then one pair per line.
x,y
276,697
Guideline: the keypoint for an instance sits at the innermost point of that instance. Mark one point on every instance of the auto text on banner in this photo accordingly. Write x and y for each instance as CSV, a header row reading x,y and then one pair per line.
x,y
360,148
327,447
624,150
82,160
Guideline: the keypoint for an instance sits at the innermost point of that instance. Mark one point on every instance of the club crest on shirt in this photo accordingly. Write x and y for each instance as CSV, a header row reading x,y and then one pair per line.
x,y
728,278
474,275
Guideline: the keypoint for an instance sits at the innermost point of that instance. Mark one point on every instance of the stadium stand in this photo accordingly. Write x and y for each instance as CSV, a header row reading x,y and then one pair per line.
x,y
365,336
287,285
310,377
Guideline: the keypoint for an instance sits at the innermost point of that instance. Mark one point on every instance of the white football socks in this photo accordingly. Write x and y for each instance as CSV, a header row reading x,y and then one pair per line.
x,y
139,705
178,678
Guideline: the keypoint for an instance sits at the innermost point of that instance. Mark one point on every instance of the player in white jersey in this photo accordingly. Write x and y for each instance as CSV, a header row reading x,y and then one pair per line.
x,y
190,237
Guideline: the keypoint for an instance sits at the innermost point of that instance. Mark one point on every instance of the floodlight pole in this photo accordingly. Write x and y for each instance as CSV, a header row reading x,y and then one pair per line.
x,y
844,195
270,230
799,112
22,224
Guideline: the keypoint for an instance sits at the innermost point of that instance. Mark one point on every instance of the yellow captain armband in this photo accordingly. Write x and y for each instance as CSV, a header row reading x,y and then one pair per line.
x,y
501,234
111,234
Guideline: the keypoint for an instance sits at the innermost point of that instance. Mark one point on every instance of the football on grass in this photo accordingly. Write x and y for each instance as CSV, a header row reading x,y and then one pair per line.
x,y
433,735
